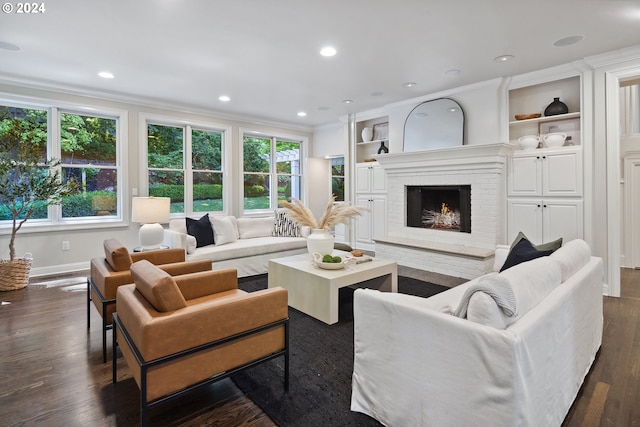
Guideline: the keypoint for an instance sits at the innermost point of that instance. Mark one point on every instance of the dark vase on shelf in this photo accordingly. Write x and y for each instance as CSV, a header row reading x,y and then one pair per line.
x,y
383,148
555,108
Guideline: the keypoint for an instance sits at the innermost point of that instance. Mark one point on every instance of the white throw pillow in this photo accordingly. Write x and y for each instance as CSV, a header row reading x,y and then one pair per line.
x,y
225,229
248,228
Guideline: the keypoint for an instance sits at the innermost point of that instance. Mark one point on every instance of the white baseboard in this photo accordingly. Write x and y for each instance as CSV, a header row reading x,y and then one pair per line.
x,y
59,269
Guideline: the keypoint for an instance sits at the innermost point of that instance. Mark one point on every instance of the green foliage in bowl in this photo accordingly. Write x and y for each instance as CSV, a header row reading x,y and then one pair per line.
x,y
331,259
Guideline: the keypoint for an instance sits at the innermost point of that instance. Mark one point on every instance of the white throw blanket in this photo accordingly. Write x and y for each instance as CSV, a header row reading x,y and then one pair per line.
x,y
497,287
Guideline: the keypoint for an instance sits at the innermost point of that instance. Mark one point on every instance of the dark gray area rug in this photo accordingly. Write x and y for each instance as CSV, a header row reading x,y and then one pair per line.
x,y
320,366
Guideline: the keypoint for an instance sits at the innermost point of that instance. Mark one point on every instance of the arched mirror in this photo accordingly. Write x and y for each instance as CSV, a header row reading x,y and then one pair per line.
x,y
434,124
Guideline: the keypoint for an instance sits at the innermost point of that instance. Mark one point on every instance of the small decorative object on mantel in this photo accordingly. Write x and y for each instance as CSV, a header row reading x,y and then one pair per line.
x,y
320,240
383,148
367,134
556,107
26,182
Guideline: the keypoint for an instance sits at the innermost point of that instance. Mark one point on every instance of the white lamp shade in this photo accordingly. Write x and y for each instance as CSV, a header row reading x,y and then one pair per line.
x,y
150,210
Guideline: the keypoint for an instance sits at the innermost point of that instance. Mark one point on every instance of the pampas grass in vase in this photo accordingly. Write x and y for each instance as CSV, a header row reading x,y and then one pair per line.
x,y
320,240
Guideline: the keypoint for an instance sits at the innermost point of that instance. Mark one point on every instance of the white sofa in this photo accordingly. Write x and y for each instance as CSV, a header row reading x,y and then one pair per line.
x,y
416,364
245,244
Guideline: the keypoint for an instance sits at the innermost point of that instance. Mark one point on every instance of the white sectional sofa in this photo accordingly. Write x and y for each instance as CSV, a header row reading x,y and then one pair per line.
x,y
246,243
417,364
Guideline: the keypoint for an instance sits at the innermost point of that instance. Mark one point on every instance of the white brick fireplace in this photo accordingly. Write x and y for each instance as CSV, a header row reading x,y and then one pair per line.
x,y
457,254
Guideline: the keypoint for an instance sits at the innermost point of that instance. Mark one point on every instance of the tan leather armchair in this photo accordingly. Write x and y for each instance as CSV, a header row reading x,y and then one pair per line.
x,y
113,270
180,333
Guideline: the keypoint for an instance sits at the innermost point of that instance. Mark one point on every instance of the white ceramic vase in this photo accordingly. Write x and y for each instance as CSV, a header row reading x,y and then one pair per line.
x,y
320,241
367,134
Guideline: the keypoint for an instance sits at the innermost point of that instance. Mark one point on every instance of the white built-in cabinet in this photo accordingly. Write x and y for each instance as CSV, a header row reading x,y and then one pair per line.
x,y
370,178
371,193
545,185
373,223
544,189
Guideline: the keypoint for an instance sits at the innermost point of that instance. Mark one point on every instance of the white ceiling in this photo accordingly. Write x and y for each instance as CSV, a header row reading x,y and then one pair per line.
x,y
264,54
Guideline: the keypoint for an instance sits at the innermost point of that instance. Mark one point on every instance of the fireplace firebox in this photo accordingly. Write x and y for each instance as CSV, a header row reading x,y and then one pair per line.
x,y
439,207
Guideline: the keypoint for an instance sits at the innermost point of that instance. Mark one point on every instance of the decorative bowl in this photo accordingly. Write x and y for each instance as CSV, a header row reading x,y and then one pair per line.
x,y
330,265
529,142
553,140
527,116
317,259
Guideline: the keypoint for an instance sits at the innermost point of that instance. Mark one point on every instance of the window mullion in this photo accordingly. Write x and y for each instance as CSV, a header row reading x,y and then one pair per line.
x,y
54,150
188,170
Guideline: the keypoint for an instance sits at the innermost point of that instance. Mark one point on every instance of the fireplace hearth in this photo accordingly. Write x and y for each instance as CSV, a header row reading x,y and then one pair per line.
x,y
439,207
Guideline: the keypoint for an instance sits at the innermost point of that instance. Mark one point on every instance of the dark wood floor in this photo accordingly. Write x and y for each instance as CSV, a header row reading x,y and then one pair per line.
x,y
51,370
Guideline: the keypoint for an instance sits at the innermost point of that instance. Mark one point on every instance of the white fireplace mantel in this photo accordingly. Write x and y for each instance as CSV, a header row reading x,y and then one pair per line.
x,y
463,157
463,254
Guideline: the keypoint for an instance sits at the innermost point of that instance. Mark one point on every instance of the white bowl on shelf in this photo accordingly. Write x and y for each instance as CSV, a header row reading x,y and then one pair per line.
x,y
529,142
554,140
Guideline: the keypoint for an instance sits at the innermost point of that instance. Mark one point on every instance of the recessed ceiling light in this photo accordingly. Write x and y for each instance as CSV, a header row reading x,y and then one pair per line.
x,y
302,114
348,101
504,58
328,51
106,75
567,41
9,46
452,72
224,98
409,84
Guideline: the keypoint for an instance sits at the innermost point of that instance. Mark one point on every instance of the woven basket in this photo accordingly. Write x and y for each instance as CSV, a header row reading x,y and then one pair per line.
x,y
15,274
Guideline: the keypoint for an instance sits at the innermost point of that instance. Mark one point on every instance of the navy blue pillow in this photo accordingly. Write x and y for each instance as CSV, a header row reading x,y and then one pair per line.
x,y
202,230
521,252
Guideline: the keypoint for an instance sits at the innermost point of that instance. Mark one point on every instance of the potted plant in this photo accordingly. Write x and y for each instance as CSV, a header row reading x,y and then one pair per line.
x,y
27,180
320,240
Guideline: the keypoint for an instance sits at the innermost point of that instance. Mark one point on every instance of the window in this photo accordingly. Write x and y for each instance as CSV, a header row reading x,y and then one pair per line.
x,y
89,156
337,178
87,147
195,185
270,163
34,127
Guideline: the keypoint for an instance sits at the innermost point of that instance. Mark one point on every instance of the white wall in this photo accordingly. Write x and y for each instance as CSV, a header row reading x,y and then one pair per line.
x,y
86,243
329,140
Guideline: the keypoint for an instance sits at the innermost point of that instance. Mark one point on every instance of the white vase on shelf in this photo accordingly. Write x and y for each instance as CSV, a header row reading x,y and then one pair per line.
x,y
320,241
367,134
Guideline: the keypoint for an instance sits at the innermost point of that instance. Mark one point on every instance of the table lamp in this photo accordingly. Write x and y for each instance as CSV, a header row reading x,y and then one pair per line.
x,y
150,212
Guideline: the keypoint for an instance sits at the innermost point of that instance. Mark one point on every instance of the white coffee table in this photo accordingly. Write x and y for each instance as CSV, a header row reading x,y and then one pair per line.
x,y
314,291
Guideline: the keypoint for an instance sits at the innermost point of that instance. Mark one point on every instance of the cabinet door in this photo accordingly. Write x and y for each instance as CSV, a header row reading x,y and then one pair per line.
x,y
378,179
562,218
562,174
363,222
524,176
378,216
524,215
363,172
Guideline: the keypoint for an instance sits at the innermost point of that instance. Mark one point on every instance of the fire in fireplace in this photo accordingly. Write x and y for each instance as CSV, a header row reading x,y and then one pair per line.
x,y
440,207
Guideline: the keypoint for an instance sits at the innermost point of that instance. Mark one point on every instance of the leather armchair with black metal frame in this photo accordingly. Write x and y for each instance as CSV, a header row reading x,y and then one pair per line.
x,y
184,332
111,271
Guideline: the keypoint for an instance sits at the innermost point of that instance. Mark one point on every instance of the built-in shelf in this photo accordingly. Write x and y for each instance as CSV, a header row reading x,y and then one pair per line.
x,y
374,142
544,119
